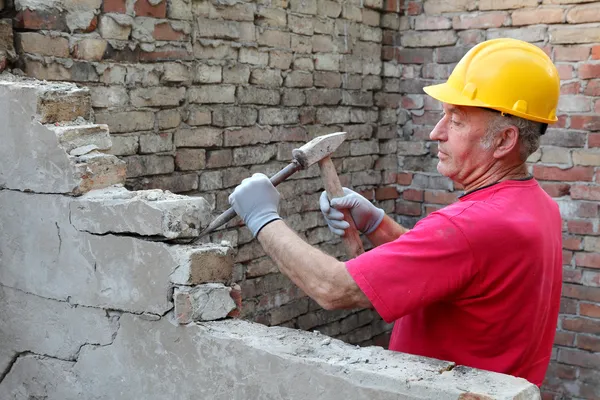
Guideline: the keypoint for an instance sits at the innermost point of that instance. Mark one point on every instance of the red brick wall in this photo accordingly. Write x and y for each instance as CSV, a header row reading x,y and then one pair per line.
x,y
433,37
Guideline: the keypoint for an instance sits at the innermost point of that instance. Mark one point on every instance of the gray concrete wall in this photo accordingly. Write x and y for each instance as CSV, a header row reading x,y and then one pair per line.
x,y
101,298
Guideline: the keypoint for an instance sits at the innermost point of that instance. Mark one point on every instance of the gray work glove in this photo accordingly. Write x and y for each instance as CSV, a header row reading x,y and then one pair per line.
x,y
366,216
256,201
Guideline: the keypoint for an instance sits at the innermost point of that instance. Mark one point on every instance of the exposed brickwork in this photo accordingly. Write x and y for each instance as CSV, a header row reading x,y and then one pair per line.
x,y
199,95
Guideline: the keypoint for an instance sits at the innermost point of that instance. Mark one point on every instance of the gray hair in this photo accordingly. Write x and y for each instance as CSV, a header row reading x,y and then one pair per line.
x,y
529,132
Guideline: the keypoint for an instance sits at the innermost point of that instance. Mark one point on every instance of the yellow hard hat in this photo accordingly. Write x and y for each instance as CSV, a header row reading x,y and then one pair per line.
x,y
506,75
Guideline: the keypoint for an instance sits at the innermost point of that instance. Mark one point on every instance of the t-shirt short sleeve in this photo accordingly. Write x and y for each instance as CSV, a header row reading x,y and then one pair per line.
x,y
432,262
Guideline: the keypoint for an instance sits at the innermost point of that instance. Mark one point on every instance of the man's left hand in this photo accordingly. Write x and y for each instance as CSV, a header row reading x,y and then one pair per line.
x,y
256,201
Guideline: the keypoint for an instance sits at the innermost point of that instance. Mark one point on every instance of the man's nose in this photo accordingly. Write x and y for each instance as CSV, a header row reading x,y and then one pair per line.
x,y
439,131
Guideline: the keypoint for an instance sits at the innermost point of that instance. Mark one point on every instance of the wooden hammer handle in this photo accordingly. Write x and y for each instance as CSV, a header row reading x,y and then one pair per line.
x,y
333,187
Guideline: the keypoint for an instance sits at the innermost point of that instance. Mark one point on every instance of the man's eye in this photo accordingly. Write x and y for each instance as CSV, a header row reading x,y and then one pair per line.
x,y
455,122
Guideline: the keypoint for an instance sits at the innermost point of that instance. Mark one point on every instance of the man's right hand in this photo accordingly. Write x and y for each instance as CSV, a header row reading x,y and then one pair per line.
x,y
366,216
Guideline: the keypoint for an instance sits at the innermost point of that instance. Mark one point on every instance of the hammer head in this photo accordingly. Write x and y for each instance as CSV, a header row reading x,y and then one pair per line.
x,y
318,148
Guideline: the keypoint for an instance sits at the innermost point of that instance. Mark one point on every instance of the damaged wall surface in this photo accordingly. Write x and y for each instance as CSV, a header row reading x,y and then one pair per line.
x,y
100,299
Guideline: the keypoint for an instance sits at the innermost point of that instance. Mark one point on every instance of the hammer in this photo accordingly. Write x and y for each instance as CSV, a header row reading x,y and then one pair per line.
x,y
318,150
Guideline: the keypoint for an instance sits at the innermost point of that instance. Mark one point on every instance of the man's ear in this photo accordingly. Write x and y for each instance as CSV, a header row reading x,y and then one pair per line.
x,y
506,141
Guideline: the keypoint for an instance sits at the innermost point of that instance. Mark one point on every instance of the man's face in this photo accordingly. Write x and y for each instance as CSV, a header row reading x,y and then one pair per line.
x,y
461,152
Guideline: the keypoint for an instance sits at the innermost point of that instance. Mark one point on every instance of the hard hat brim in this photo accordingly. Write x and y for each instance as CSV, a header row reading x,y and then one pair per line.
x,y
447,94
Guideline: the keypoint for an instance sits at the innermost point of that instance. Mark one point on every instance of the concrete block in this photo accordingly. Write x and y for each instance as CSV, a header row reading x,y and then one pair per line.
x,y
207,263
202,303
197,361
146,213
61,329
114,272
52,170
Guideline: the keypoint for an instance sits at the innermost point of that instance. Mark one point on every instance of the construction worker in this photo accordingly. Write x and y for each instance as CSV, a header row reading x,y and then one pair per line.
x,y
479,281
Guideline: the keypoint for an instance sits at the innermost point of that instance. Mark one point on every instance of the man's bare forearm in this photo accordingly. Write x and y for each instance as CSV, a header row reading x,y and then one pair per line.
x,y
320,276
387,231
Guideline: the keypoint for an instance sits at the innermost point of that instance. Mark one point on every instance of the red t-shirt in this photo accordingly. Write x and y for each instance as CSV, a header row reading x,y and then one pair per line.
x,y
477,283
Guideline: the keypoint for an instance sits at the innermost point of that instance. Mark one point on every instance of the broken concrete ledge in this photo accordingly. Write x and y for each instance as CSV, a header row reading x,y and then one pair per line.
x,y
154,360
147,213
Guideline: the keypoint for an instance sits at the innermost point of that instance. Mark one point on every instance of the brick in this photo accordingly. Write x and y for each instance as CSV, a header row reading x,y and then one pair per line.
x,y
326,8
431,23
235,12
234,116
146,8
581,325
583,14
115,26
428,38
591,260
339,115
299,79
131,121
277,116
323,97
591,244
585,122
304,6
156,143
212,94
273,38
480,21
254,57
580,358
590,343
266,77
586,157
157,96
571,53
165,31
471,37
584,33
570,88
167,53
219,158
211,180
561,138
589,310
114,6
588,70
551,15
592,88
300,24
35,43
215,51
149,165
580,227
218,29
414,56
235,74
123,145
556,189
199,116
190,159
408,208
50,19
280,59
529,34
109,96
198,137
557,174
436,7
564,339
90,49
293,97
440,197
581,292
247,136
272,17
506,4
252,155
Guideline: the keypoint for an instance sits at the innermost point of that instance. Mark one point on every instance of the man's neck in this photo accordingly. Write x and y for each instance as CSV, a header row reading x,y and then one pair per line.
x,y
498,175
